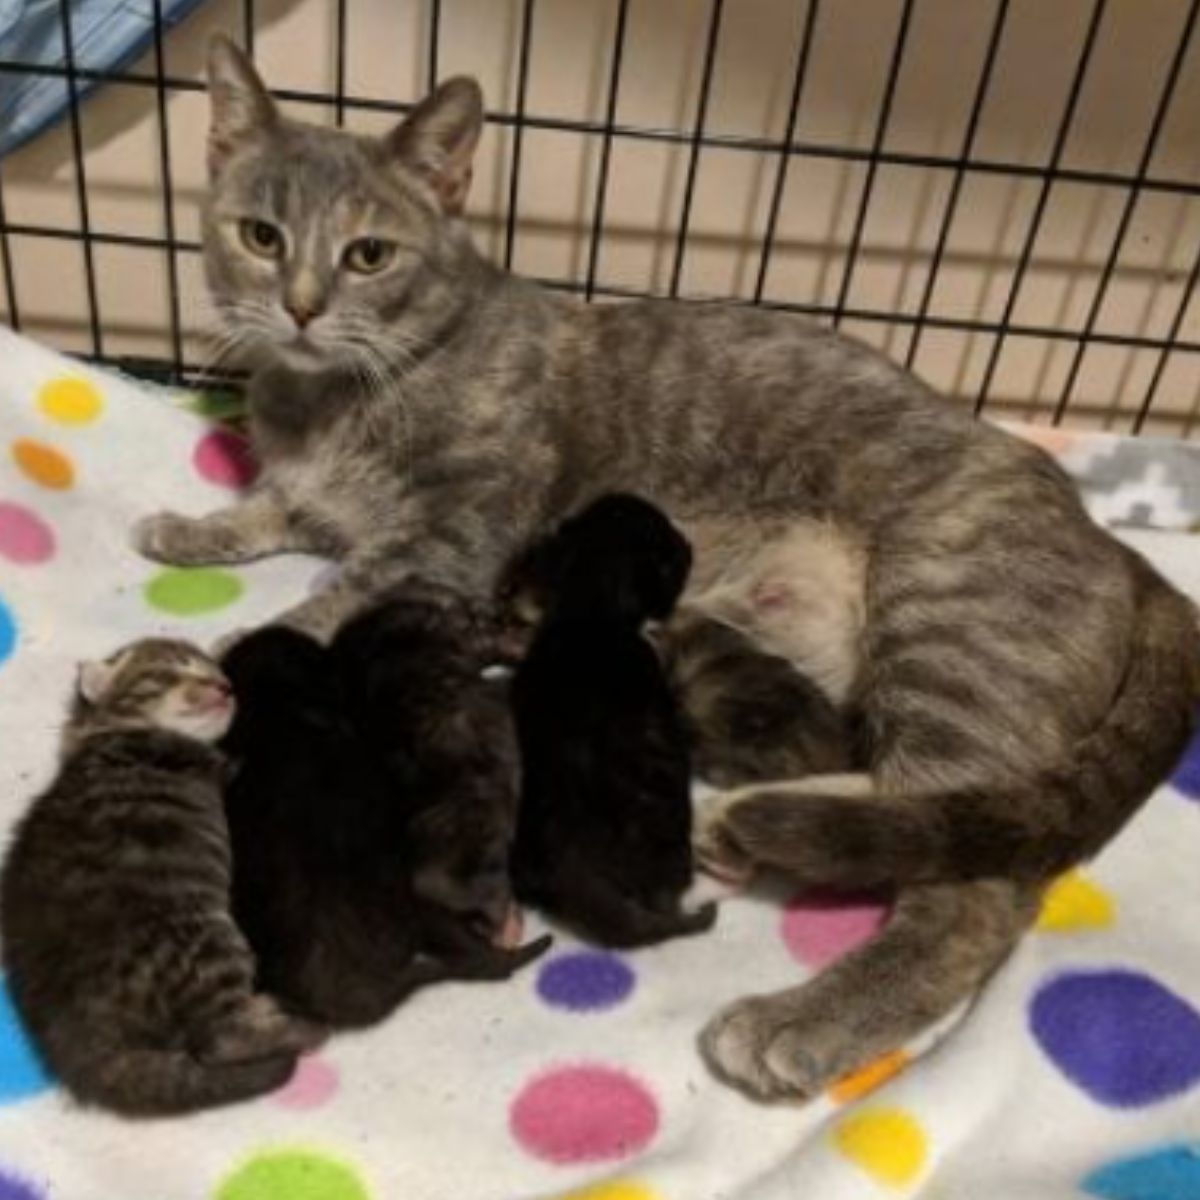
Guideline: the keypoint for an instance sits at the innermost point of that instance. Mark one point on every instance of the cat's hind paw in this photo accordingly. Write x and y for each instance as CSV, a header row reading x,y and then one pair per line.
x,y
754,1047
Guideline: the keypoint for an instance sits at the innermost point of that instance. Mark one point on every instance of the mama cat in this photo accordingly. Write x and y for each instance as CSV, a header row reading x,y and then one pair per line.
x,y
1023,680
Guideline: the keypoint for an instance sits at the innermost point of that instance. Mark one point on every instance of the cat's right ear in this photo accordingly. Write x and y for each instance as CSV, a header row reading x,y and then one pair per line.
x,y
438,140
93,679
242,107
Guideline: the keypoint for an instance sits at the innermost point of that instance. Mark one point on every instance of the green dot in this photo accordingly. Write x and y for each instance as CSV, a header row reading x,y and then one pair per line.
x,y
293,1175
189,591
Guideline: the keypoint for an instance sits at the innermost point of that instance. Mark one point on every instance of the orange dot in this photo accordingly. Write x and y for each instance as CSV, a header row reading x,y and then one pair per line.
x,y
43,464
866,1079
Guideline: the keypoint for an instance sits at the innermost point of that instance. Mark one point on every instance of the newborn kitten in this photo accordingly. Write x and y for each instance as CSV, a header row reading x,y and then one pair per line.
x,y
323,868
411,667
122,958
603,839
751,716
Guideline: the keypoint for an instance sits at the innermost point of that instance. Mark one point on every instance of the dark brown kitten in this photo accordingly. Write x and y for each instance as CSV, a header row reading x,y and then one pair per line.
x,y
122,957
411,669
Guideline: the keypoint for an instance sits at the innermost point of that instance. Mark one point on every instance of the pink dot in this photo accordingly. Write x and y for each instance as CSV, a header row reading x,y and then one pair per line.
x,y
583,1114
225,458
314,1082
818,931
24,536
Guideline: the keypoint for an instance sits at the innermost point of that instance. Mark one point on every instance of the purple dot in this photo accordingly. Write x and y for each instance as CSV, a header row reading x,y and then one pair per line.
x,y
585,980
1187,773
13,1187
1120,1036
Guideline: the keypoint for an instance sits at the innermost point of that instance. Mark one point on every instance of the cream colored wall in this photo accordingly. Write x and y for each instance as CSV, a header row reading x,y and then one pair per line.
x,y
570,55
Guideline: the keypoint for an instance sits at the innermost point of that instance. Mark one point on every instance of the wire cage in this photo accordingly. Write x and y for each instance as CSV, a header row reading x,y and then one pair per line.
x,y
1003,195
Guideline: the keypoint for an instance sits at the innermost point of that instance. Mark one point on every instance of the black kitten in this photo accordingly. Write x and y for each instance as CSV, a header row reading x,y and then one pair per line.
x,y
604,835
323,865
411,667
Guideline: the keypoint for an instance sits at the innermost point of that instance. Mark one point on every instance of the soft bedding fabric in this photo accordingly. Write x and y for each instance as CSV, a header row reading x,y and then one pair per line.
x,y
1076,1073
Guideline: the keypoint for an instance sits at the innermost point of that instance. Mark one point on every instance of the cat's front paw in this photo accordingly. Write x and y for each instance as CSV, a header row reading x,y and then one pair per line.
x,y
752,1045
170,538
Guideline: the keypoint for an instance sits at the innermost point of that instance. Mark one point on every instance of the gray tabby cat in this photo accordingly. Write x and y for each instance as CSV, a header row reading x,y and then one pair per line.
x,y
121,956
1023,681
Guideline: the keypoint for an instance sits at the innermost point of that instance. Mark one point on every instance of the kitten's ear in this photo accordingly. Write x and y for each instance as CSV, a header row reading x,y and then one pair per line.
x,y
241,105
438,140
93,679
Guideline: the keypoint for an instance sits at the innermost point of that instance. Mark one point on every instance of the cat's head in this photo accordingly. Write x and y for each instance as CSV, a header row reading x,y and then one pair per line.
x,y
324,248
156,683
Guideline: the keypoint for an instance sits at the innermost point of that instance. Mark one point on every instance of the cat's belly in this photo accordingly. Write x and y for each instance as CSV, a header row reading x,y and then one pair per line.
x,y
796,588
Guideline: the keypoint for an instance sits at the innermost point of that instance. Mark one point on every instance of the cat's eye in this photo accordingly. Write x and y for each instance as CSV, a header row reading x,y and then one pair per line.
x,y
369,256
261,238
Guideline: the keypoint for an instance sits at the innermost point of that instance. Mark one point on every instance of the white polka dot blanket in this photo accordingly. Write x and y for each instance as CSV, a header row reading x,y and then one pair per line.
x,y
1077,1072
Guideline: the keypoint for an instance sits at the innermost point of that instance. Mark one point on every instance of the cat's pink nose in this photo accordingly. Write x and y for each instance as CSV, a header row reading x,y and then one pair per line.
x,y
302,314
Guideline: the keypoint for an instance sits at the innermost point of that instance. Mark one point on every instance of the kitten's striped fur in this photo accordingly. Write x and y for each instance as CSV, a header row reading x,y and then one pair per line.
x,y
120,952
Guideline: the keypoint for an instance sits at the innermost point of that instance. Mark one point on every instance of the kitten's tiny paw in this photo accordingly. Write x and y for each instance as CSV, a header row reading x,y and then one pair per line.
x,y
714,849
747,1045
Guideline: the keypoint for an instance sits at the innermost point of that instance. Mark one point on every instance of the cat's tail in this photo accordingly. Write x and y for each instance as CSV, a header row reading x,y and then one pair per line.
x,y
839,831
160,1083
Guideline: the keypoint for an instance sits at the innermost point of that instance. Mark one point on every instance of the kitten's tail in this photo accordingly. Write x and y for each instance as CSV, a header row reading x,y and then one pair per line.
x,y
838,831
160,1083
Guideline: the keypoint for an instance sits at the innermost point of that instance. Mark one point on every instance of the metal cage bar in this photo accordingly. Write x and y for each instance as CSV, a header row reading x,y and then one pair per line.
x,y
1039,212
784,148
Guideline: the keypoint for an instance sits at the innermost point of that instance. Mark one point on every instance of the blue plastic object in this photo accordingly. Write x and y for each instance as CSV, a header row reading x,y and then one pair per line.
x,y
105,36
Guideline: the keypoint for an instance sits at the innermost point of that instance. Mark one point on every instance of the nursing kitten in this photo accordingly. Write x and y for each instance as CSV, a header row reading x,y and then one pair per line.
x,y
323,861
750,716
127,970
1023,681
604,834
411,668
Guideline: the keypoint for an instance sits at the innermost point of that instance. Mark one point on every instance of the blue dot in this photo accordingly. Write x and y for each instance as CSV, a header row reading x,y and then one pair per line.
x,y
13,1187
1120,1036
8,631
585,980
1172,1173
1187,773
21,1072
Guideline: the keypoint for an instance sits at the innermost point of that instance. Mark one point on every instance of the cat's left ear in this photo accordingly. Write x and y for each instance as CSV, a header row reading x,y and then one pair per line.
x,y
241,106
94,678
438,140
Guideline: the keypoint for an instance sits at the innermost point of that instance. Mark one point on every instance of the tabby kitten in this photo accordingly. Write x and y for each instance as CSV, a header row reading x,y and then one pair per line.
x,y
603,839
750,716
1023,681
122,958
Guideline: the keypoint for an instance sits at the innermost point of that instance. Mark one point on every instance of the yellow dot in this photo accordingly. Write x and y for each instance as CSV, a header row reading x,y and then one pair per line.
x,y
1074,902
70,400
866,1079
43,464
885,1142
624,1189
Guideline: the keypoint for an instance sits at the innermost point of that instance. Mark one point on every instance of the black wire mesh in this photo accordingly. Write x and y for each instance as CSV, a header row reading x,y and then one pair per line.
x,y
785,154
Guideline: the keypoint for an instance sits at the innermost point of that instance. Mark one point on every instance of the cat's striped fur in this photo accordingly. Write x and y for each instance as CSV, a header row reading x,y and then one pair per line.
x,y
1023,680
